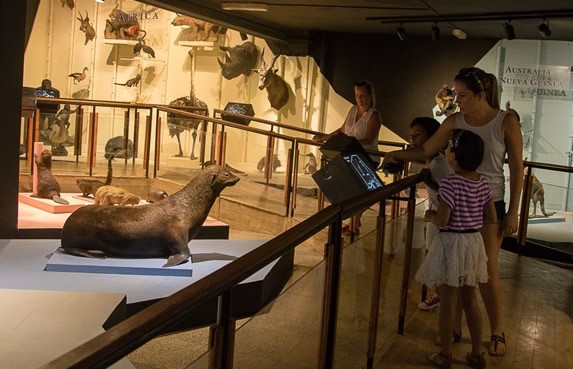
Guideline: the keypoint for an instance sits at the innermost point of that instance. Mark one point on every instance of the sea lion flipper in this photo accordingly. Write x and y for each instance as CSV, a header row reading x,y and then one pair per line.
x,y
60,200
96,254
176,259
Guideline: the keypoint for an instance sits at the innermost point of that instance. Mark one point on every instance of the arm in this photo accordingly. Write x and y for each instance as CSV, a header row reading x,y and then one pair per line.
x,y
430,148
513,142
442,214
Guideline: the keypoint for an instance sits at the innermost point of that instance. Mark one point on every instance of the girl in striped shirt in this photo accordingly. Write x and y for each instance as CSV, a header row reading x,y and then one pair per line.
x,y
457,258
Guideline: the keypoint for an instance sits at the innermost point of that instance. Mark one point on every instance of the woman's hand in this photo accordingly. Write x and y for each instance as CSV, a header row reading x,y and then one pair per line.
x,y
509,224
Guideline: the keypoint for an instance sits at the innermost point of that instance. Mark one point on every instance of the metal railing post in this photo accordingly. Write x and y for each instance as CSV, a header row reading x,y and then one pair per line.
x,y
407,259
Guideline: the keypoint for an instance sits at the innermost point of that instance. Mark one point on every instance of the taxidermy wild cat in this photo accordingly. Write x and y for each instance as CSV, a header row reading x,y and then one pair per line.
x,y
90,186
48,186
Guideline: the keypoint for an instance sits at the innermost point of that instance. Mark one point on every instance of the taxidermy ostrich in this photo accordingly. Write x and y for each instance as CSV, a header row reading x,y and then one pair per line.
x,y
177,123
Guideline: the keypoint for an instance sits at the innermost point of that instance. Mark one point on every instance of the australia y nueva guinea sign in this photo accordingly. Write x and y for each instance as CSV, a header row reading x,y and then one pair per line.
x,y
542,81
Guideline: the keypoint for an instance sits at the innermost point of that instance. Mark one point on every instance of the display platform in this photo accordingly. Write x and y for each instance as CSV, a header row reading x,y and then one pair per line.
x,y
39,326
60,262
50,205
23,263
34,223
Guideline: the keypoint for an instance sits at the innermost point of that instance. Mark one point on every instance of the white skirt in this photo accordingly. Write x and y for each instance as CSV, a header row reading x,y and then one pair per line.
x,y
455,259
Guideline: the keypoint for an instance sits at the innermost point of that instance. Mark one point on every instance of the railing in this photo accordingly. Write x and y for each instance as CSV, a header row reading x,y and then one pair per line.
x,y
126,336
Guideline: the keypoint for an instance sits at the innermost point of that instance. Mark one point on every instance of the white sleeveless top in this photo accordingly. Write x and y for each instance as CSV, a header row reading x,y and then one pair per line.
x,y
494,151
357,128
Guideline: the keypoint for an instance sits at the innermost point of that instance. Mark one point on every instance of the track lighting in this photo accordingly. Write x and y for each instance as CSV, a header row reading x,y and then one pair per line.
x,y
509,31
435,32
401,32
459,33
544,30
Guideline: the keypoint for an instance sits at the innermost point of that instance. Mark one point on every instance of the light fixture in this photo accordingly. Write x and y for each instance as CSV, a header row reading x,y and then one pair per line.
x,y
435,32
509,31
544,29
250,7
100,1
459,33
401,32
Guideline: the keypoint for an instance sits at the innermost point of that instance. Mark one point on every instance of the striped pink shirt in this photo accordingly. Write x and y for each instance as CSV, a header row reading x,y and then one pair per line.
x,y
467,199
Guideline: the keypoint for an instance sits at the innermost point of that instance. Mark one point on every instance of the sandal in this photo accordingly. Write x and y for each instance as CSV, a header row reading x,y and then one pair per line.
x,y
440,360
476,361
456,338
495,341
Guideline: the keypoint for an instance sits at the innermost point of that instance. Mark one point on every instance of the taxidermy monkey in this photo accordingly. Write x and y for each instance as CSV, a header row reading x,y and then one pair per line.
x,y
48,186
78,77
112,195
90,186
86,27
69,3
132,82
141,46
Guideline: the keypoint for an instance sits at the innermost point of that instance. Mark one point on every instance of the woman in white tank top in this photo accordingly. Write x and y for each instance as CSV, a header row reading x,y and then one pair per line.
x,y
478,101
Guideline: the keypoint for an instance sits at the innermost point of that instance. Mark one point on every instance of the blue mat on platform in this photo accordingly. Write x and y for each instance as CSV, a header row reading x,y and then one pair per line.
x,y
545,220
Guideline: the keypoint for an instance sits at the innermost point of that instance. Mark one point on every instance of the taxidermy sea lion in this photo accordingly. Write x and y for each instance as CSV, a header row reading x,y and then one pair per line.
x,y
161,229
48,186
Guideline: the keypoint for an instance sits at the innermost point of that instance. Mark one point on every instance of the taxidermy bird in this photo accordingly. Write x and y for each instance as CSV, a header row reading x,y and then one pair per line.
x,y
132,82
69,3
78,77
141,46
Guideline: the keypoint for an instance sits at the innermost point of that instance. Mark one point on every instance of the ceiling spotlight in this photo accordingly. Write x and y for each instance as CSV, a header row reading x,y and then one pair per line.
x,y
251,7
509,31
544,30
100,1
401,32
459,33
435,32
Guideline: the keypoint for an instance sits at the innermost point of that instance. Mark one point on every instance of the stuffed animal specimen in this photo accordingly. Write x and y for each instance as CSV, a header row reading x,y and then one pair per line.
x,y
445,98
86,27
179,123
132,82
114,147
121,26
240,59
159,230
113,195
311,166
48,186
196,25
156,195
276,163
141,46
69,3
78,77
537,195
90,186
276,87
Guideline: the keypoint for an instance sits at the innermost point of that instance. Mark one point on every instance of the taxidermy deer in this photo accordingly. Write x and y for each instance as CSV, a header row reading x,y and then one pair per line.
x,y
78,77
132,82
86,27
277,88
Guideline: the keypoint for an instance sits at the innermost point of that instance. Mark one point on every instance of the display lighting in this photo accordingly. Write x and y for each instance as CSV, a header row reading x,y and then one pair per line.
x,y
544,29
509,31
459,33
251,7
435,32
401,32
100,1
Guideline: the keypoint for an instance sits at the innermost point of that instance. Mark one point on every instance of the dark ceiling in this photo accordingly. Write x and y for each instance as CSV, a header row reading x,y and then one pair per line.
x,y
288,19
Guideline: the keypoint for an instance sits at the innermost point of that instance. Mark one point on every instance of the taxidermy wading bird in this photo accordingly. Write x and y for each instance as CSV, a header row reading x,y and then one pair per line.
x,y
78,77
69,3
141,46
86,27
132,82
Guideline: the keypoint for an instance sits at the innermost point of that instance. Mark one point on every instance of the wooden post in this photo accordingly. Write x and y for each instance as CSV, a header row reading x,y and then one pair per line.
x,y
407,258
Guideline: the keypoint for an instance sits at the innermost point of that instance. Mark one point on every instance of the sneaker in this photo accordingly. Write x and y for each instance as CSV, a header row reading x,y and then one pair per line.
x,y
430,303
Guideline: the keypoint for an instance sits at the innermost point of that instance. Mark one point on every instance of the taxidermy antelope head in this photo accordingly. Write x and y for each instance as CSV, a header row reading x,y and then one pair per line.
x,y
86,27
277,88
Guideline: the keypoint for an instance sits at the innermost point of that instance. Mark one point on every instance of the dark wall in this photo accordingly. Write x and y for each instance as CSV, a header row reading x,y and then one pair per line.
x,y
406,74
